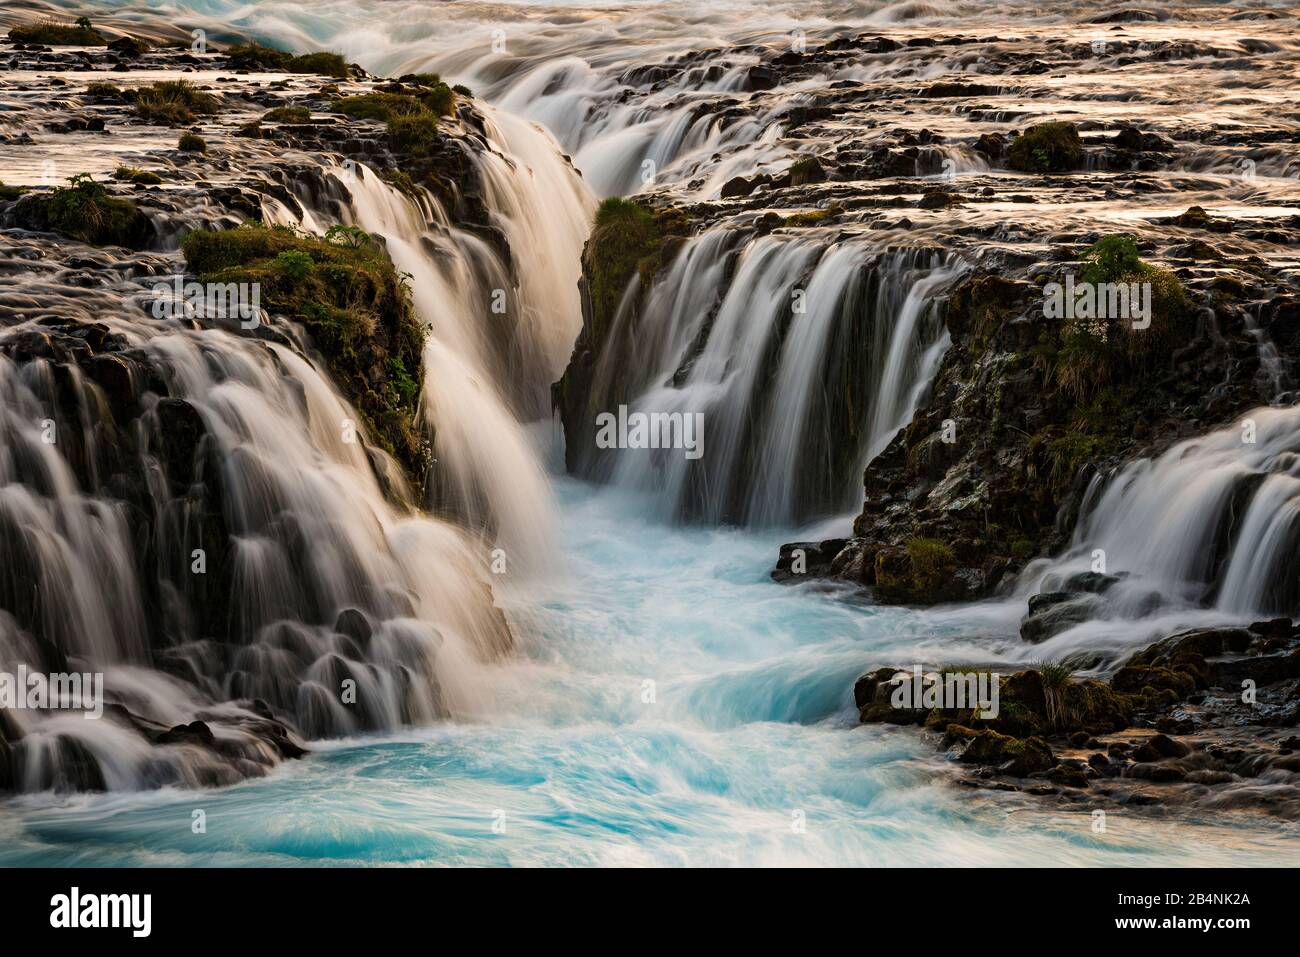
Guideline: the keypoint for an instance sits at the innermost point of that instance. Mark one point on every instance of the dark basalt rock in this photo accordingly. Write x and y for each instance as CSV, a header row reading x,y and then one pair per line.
x,y
196,732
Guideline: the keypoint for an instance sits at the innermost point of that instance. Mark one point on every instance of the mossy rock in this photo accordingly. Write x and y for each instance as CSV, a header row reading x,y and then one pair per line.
x,y
412,121
192,143
54,33
1047,148
625,241
86,211
345,292
139,177
922,571
255,56
287,114
1133,679
1018,757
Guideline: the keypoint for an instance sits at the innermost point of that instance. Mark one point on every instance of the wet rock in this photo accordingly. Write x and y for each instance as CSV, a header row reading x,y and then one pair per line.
x,y
196,733
761,78
1055,615
1013,756
354,624
1066,775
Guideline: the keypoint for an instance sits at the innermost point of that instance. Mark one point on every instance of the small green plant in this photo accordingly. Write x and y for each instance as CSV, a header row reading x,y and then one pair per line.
x,y
441,99
413,134
806,169
192,143
104,91
86,211
1103,350
351,237
174,103
8,193
294,263
1055,678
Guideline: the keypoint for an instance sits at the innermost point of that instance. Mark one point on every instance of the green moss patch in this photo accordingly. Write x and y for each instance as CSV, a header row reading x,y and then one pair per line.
x,y
87,212
1047,148
288,114
412,120
8,193
626,240
192,143
54,33
345,291
255,56
140,177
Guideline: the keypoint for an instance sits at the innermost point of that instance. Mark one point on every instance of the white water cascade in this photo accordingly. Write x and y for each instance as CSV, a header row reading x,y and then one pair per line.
x,y
317,573
804,360
1205,533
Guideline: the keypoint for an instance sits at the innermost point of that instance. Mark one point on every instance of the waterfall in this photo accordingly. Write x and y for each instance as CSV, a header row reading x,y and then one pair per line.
x,y
318,570
488,373
1207,530
804,360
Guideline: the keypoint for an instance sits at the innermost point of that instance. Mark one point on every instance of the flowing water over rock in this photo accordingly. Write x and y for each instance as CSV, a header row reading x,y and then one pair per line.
x,y
632,690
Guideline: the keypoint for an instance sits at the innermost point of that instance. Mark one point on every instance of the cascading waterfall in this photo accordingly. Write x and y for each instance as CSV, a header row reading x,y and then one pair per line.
x,y
317,572
1208,531
804,359
326,579
488,373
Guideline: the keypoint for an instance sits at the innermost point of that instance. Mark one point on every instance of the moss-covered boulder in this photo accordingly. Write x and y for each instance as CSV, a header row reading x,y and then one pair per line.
x,y
56,33
345,292
628,242
1018,757
86,211
919,572
1047,148
255,56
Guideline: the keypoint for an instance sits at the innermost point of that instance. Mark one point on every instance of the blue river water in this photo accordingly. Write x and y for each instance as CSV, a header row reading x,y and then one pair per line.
x,y
668,705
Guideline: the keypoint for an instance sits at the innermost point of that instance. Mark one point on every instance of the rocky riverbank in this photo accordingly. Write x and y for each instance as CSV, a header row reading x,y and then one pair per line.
x,y
1205,717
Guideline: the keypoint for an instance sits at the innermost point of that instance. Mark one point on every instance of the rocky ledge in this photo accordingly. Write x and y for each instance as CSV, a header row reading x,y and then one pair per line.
x,y
1204,718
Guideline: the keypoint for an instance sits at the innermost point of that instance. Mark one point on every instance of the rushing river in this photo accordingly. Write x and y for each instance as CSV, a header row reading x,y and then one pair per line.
x,y
746,754
665,702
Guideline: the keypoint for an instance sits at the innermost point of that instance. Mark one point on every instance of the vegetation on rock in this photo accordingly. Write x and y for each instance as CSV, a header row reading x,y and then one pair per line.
x,y
173,103
1047,148
52,32
192,143
85,210
287,114
140,177
255,56
345,292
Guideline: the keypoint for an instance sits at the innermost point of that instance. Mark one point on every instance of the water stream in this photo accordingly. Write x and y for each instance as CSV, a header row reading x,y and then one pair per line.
x,y
658,700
